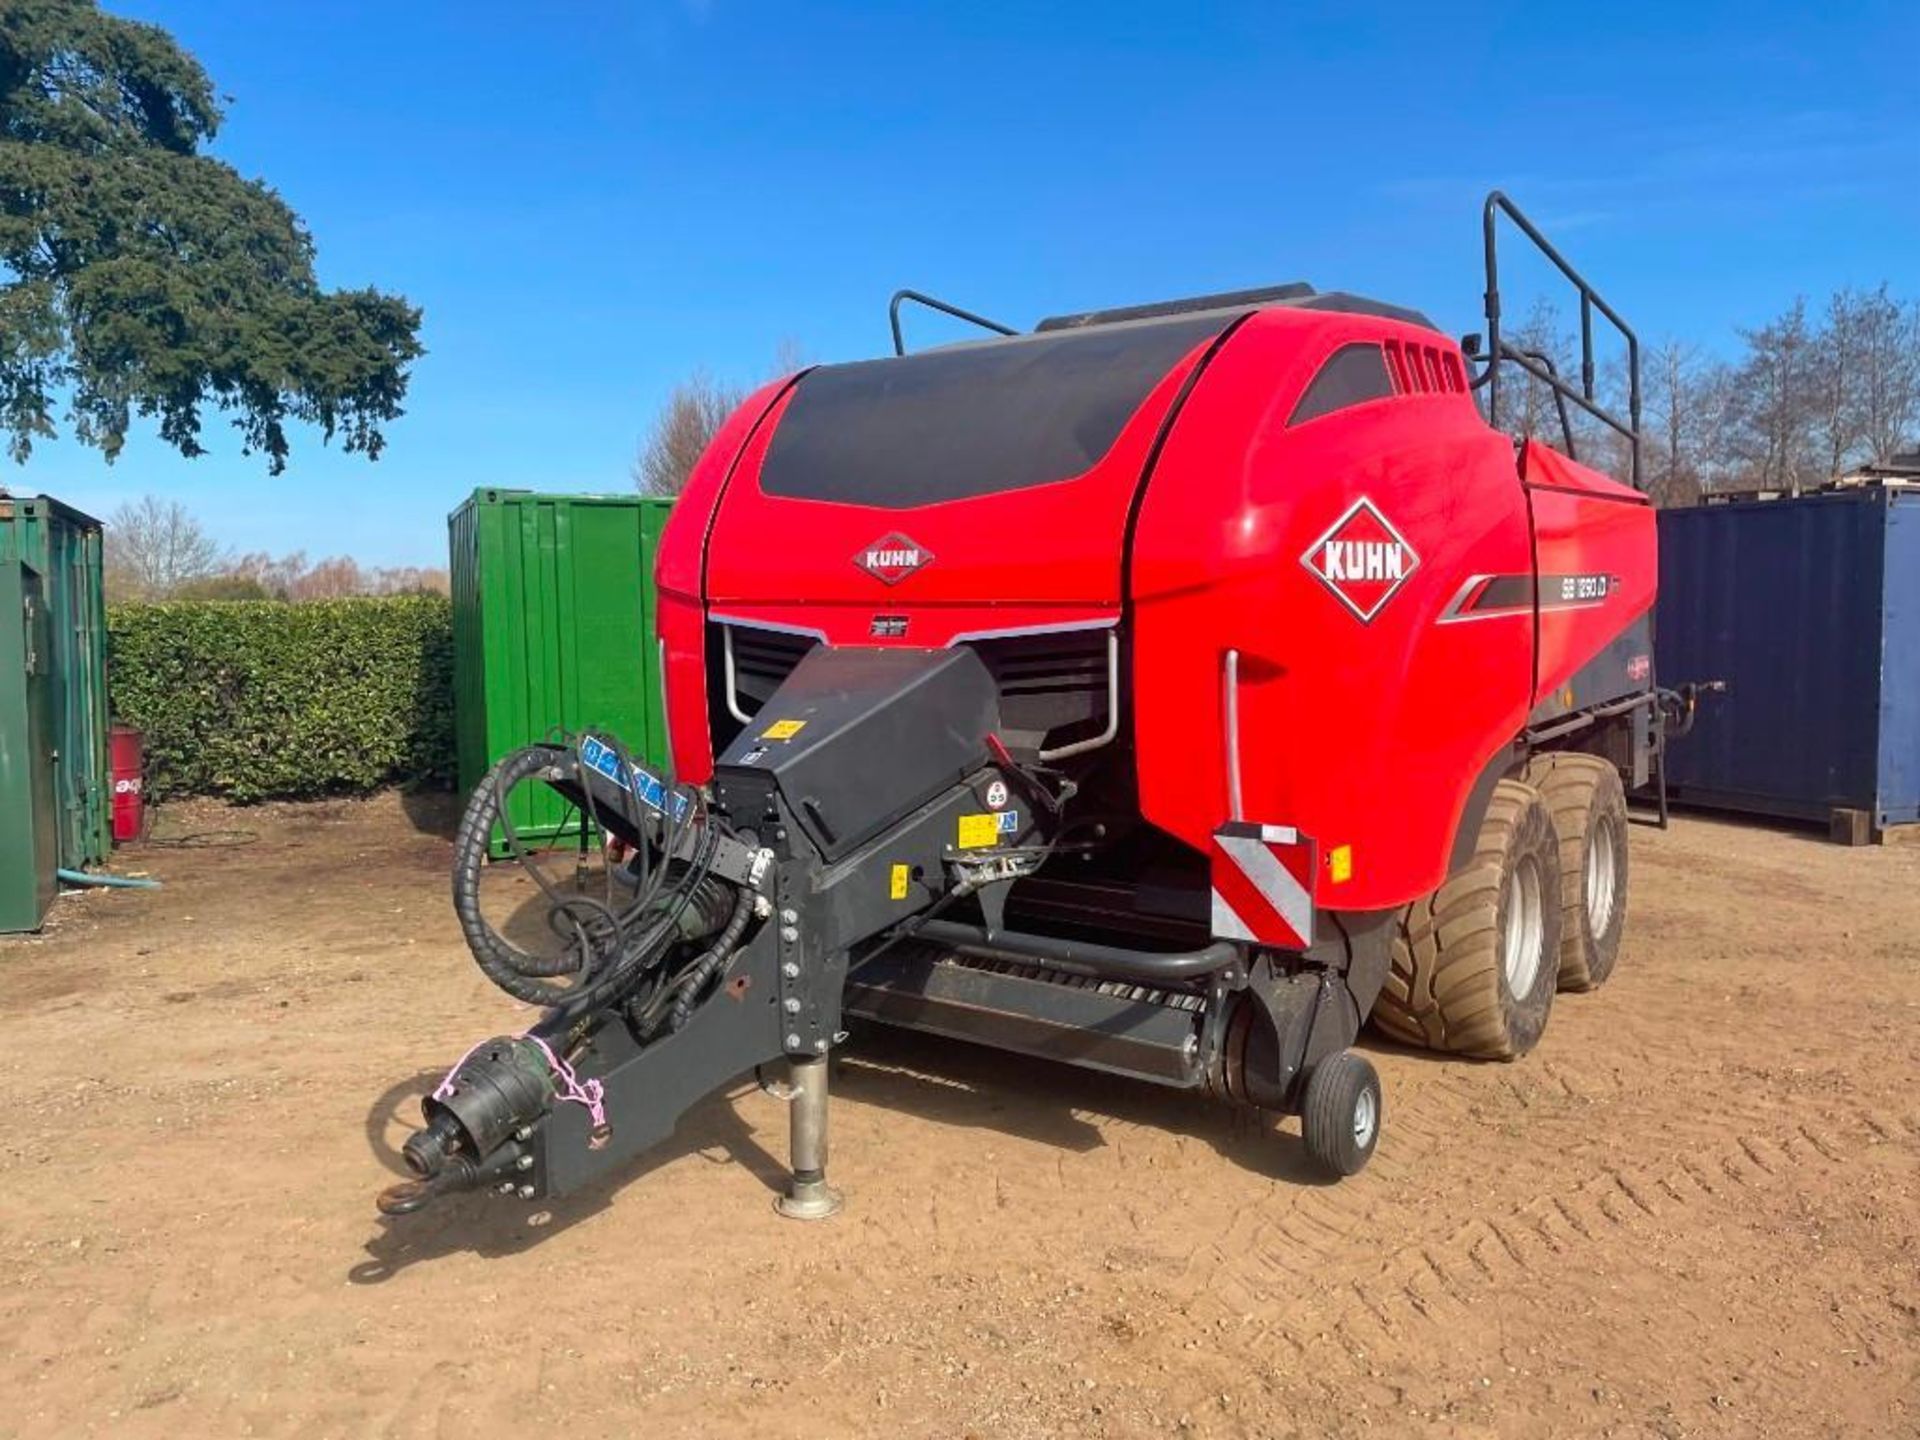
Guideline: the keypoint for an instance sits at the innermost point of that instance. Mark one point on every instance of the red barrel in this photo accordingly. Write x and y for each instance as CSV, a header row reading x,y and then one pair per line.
x,y
129,803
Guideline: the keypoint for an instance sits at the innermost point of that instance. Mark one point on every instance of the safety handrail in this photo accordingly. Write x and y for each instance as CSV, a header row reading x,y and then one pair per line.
x,y
933,303
1559,401
1498,351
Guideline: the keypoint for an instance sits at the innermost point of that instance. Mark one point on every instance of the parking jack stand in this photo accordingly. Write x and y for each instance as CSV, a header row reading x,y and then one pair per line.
x,y
808,1196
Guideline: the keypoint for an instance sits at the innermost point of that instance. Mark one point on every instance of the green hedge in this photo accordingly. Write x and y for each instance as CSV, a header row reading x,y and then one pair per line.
x,y
259,699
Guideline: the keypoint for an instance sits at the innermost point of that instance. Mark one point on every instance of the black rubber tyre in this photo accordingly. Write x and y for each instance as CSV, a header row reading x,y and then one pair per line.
x,y
1589,809
1340,1114
1475,964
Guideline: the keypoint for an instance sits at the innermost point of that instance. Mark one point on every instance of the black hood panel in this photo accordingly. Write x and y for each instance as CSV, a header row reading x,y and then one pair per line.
x,y
972,420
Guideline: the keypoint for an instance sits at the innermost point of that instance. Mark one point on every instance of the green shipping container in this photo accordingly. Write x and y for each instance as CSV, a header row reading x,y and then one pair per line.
x,y
53,703
553,628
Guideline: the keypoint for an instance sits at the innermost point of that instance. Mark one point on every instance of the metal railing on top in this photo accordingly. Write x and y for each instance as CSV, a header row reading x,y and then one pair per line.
x,y
893,316
1537,365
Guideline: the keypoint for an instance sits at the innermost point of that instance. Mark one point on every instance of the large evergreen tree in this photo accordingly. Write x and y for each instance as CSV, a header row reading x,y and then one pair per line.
x,y
139,276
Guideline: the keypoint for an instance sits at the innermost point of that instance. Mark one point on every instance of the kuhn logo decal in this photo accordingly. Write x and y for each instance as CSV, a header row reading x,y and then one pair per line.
x,y
893,557
1362,559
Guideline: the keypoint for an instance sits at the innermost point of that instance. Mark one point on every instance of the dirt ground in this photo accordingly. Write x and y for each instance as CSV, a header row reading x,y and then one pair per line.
x,y
1695,1210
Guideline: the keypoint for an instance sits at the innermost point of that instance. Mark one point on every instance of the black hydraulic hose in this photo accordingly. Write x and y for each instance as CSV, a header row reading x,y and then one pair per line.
x,y
603,929
1079,957
520,974
687,989
610,949
641,953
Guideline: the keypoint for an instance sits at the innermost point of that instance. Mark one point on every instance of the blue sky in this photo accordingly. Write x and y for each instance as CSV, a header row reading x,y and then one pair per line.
x,y
592,199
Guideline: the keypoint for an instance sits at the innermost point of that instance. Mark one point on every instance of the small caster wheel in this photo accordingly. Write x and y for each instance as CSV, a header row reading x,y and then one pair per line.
x,y
1340,1116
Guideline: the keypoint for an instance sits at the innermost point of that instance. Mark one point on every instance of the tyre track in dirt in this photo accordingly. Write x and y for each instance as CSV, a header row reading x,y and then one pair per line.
x,y
1311,1264
1591,1167
1326,1294
1770,1139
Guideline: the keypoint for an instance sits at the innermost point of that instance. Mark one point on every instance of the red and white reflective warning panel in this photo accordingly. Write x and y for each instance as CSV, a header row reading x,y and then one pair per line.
x,y
1263,885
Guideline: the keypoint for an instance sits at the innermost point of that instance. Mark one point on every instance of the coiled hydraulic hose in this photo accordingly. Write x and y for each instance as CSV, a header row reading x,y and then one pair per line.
x,y
514,970
611,948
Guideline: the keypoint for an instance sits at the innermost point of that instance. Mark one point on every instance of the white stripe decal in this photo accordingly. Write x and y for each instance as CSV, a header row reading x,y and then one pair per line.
x,y
1227,924
1270,878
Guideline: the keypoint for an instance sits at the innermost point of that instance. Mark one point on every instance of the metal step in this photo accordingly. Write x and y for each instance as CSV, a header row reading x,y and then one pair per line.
x,y
1111,1026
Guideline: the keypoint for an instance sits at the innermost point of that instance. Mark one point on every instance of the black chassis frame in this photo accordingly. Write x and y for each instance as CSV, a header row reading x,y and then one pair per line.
x,y
1269,1018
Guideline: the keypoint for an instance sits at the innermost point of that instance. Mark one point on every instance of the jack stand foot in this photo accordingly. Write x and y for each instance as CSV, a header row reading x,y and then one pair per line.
x,y
808,1196
809,1200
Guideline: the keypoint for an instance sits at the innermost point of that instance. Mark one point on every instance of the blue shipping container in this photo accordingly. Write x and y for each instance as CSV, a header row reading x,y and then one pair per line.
x,y
1809,609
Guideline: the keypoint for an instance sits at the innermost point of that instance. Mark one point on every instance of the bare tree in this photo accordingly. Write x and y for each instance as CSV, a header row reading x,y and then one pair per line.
x,y
1887,398
1528,406
1775,426
1834,378
1601,446
224,586
154,547
273,577
408,580
789,355
694,410
1684,422
331,579
156,550
1716,386
260,576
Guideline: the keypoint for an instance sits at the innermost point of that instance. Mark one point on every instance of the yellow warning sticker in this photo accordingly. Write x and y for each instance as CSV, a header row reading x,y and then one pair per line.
x,y
978,831
783,729
1340,864
897,882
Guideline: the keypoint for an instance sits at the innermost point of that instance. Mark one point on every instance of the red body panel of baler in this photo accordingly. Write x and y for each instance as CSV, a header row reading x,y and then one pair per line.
x,y
1218,529
1364,733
